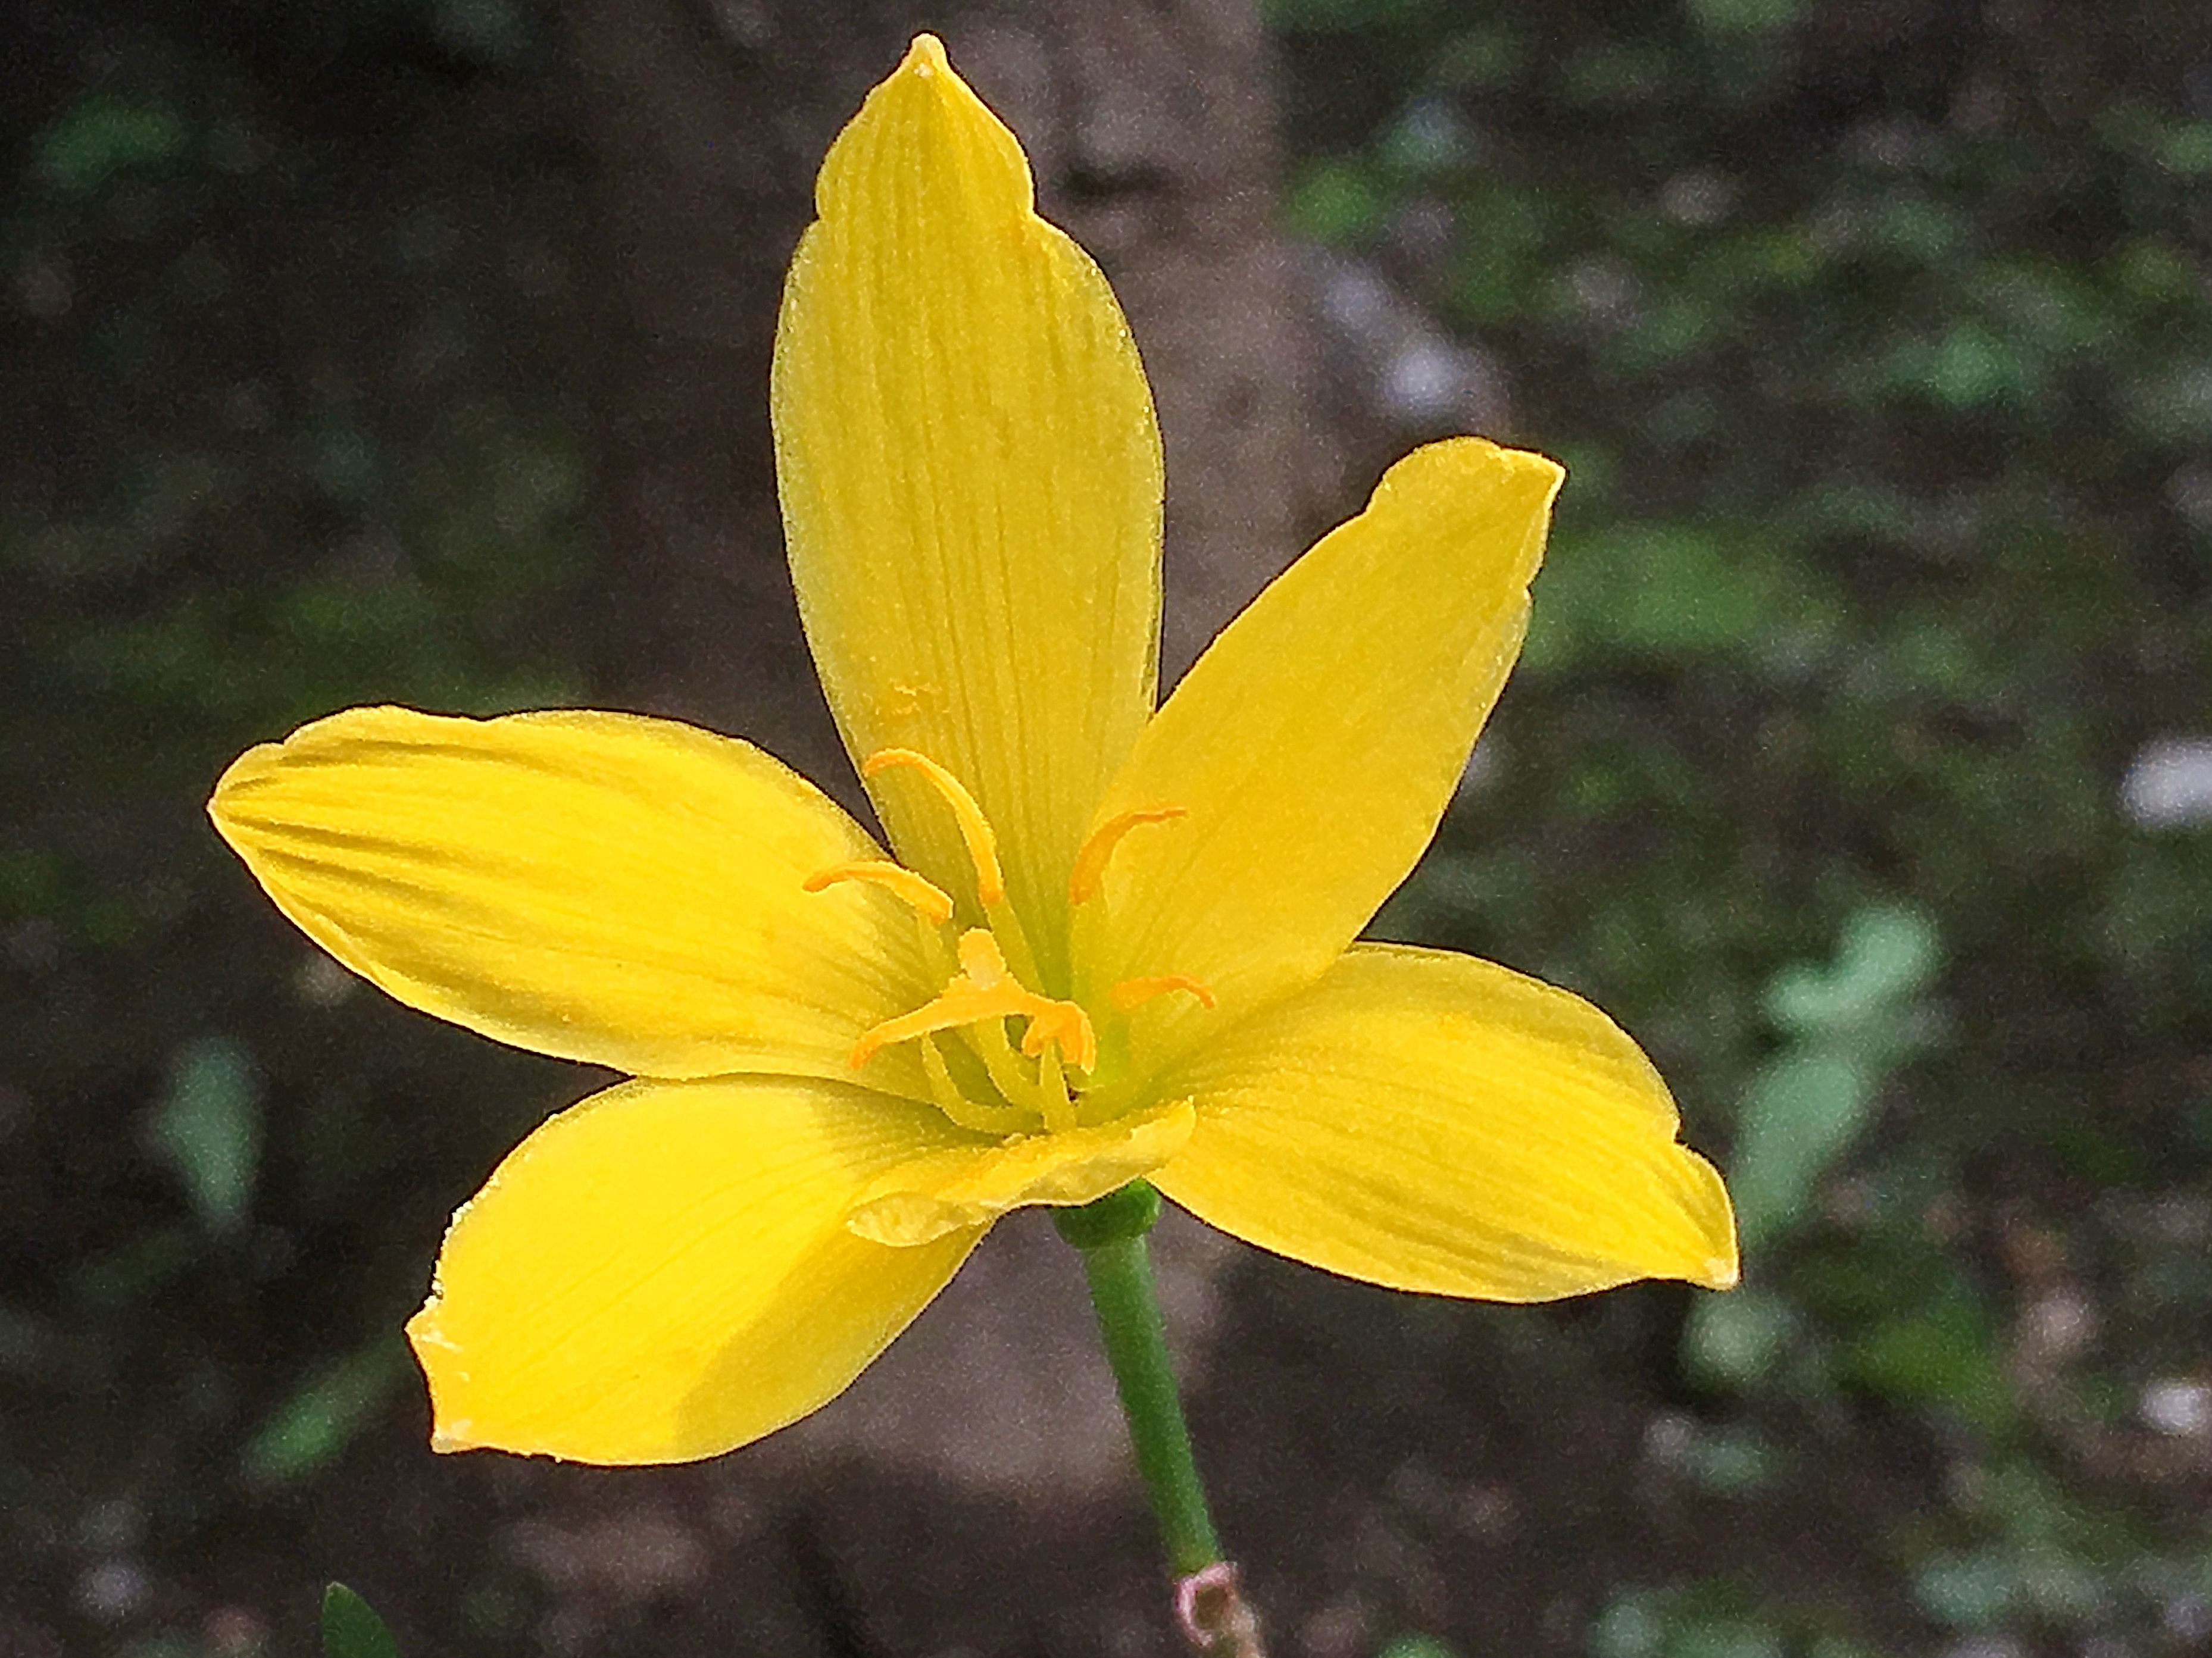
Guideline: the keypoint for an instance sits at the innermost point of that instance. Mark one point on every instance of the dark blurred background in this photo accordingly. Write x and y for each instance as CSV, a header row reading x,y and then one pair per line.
x,y
1861,762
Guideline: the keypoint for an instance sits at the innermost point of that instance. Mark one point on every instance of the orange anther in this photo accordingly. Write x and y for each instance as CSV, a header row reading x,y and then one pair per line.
x,y
1091,861
975,828
1134,993
896,879
1066,1025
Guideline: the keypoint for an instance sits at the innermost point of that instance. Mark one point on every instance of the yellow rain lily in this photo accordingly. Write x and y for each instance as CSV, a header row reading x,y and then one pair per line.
x,y
1113,943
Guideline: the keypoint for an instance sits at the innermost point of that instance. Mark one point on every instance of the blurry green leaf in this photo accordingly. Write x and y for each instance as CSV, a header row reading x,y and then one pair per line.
x,y
208,1126
1616,73
1669,590
1674,326
1802,1110
1429,137
351,1628
1416,1646
100,136
1968,1591
1633,1625
1336,203
2173,402
1732,1461
1972,366
1848,1024
1683,1623
2188,150
2154,271
1942,1350
1919,230
1968,367
2061,1585
1735,1338
1491,54
1887,953
305,1433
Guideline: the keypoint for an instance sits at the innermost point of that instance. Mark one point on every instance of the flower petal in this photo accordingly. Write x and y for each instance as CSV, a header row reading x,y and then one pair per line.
x,y
970,476
663,1272
973,1186
1313,746
1429,1122
597,886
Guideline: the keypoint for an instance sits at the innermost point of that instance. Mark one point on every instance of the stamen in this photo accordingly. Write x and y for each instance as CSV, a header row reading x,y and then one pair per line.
x,y
989,1042
1054,1100
965,1112
1135,992
975,828
1091,861
926,898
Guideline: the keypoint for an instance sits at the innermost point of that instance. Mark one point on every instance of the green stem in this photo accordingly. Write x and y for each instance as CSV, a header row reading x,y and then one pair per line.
x,y
1110,1235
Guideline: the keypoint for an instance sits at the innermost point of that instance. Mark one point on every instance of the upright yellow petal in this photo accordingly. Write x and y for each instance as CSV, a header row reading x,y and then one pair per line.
x,y
597,886
1313,746
970,476
664,1272
1429,1122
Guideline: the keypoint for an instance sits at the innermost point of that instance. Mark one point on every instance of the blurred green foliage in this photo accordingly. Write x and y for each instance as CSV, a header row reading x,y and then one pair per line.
x,y
351,1628
1881,370
208,1125
284,439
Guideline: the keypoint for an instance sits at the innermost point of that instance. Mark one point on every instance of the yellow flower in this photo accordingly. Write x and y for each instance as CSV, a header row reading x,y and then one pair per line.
x,y
1115,942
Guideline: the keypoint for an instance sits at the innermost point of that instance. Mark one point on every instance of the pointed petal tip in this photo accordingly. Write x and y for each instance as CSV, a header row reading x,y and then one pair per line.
x,y
921,128
248,766
924,58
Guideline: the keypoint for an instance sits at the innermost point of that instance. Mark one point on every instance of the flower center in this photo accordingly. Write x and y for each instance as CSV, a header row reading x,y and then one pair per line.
x,y
980,1076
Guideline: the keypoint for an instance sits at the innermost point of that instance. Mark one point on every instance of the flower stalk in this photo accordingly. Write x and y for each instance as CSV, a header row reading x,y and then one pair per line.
x,y
1109,1233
